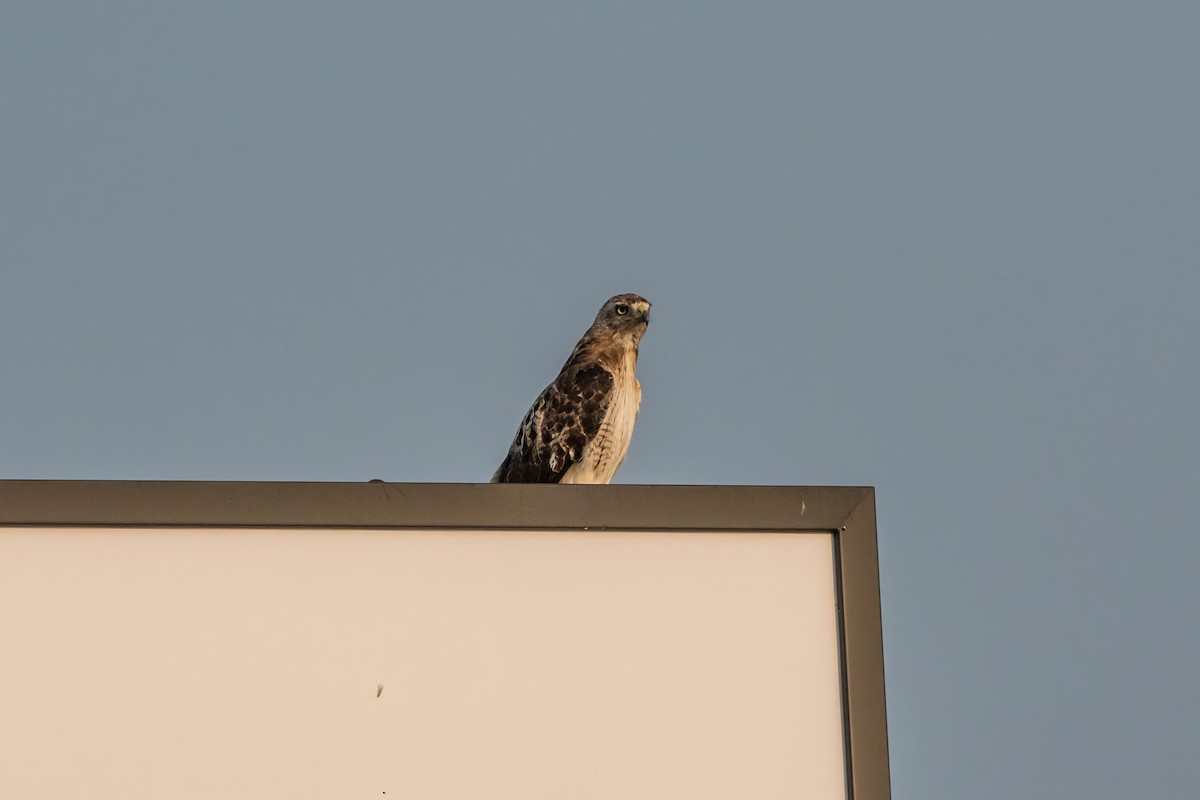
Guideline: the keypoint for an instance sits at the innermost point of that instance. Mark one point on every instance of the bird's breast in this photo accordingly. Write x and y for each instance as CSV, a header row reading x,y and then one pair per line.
x,y
605,452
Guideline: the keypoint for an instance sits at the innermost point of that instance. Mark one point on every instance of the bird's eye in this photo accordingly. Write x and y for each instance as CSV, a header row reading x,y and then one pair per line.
x,y
621,309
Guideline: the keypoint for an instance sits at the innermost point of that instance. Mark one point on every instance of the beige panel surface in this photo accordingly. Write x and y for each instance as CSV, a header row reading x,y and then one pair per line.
x,y
246,664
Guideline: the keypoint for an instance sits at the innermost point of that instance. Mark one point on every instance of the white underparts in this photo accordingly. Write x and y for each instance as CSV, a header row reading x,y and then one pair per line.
x,y
604,453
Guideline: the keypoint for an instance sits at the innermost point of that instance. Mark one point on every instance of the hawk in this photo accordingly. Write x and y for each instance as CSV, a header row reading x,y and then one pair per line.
x,y
579,427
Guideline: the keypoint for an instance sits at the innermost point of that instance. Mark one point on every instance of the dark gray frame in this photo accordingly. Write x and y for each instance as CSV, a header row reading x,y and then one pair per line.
x,y
847,512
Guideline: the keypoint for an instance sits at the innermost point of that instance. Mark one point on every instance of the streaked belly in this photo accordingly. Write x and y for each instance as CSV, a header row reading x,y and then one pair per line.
x,y
607,450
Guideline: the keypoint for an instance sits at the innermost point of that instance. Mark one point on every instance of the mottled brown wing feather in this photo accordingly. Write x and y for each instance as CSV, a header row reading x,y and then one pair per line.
x,y
557,427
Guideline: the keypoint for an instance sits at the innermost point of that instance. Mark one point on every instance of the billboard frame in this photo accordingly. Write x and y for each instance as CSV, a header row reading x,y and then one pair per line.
x,y
848,513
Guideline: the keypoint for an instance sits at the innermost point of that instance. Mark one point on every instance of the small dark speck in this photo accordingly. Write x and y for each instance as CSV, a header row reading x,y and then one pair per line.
x,y
379,690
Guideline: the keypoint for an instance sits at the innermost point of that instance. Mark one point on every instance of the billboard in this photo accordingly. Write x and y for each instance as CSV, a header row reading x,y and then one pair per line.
x,y
439,641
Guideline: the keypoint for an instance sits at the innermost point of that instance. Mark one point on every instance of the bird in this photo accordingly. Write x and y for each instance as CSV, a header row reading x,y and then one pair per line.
x,y
578,429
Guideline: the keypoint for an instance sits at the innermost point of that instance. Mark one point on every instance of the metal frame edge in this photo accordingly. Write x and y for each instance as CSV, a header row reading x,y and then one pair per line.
x,y
849,512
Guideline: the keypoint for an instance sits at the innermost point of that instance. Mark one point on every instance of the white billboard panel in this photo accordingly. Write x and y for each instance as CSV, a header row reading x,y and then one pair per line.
x,y
192,661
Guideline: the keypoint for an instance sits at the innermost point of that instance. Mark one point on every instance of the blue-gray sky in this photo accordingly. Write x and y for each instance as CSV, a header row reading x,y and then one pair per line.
x,y
946,249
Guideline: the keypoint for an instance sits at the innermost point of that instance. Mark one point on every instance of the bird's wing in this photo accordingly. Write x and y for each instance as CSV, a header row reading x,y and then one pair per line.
x,y
560,423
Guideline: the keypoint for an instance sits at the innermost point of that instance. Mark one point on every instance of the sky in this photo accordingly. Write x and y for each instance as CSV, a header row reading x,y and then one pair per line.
x,y
949,250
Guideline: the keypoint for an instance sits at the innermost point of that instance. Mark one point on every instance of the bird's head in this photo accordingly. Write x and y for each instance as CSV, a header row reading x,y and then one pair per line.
x,y
624,315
